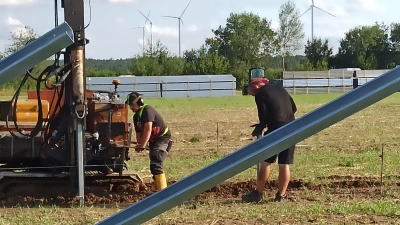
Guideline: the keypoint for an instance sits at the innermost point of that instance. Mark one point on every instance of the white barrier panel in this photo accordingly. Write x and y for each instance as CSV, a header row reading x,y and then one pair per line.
x,y
168,86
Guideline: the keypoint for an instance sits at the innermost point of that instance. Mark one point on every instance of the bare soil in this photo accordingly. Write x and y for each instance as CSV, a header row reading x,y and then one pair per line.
x,y
128,192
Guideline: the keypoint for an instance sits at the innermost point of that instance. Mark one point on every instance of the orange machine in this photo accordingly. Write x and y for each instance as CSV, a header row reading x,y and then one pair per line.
x,y
107,129
105,113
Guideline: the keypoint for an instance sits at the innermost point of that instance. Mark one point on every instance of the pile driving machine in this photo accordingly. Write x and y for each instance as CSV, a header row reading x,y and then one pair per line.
x,y
62,129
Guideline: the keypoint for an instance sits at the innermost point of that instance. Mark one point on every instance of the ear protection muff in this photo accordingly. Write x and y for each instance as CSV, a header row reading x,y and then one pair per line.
x,y
137,99
140,101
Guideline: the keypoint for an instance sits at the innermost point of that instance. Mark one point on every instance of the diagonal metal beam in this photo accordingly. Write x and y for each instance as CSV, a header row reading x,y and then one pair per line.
x,y
271,144
35,52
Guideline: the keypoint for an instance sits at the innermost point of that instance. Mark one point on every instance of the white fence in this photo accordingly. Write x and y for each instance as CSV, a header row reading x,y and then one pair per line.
x,y
168,86
332,81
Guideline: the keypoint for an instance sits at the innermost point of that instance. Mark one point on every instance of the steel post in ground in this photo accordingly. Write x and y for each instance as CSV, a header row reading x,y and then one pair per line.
x,y
74,14
81,171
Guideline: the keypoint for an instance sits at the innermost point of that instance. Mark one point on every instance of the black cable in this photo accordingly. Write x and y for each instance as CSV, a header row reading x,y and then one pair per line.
x,y
13,102
55,119
47,124
43,77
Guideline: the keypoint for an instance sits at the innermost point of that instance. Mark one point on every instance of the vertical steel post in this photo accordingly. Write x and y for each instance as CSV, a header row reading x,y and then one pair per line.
x,y
75,94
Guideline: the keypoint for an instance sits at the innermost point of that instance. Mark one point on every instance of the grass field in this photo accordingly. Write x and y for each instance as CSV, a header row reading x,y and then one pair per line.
x,y
335,178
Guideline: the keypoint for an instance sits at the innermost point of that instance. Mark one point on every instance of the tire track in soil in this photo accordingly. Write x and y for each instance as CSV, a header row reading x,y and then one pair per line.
x,y
126,192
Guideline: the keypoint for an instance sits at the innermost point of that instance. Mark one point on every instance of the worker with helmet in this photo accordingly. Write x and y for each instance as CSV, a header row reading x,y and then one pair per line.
x,y
152,133
276,108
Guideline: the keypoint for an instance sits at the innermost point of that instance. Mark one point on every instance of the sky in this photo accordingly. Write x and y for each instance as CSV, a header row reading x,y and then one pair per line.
x,y
113,31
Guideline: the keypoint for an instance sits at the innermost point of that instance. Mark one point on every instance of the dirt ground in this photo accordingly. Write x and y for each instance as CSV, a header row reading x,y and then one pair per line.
x,y
130,192
323,191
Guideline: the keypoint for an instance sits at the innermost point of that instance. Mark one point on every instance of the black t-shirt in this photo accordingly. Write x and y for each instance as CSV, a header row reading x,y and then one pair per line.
x,y
149,114
275,106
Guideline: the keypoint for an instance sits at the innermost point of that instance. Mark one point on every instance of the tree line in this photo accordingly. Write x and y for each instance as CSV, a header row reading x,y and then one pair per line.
x,y
247,40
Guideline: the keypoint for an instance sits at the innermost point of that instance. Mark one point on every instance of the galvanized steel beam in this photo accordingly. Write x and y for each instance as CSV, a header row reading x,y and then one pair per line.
x,y
74,14
35,52
271,144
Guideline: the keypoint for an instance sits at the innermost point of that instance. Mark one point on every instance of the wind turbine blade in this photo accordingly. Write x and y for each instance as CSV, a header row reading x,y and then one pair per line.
x,y
137,27
305,11
172,17
312,2
147,17
324,11
186,8
142,14
182,22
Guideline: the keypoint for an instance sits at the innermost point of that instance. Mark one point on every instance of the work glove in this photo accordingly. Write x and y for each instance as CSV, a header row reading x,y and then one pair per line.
x,y
258,129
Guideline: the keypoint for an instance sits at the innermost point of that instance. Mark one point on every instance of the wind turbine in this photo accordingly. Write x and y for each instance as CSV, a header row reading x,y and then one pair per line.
x,y
144,28
312,6
151,30
179,25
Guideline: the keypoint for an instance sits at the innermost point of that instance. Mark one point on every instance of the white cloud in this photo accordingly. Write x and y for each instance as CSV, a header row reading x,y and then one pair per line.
x,y
17,26
15,2
165,31
366,5
330,7
192,28
13,22
169,31
120,19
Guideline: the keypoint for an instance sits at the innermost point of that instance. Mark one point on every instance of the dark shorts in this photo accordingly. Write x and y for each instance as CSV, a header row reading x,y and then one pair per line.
x,y
284,157
158,152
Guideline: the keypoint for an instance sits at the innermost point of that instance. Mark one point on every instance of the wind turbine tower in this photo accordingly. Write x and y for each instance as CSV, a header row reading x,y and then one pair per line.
x,y
179,25
151,30
312,6
144,28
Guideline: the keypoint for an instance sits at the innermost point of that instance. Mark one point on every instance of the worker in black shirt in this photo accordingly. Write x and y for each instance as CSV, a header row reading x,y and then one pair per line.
x,y
276,108
151,132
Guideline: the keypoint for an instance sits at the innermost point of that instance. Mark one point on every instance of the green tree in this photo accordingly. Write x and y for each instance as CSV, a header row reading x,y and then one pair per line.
x,y
395,35
160,63
290,33
244,40
19,39
205,62
366,47
395,42
317,51
245,37
307,65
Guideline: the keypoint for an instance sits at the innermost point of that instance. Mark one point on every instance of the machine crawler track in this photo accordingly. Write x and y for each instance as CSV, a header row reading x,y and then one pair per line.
x,y
47,186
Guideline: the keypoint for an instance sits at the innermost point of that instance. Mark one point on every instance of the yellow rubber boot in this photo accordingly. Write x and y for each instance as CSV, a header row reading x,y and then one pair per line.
x,y
160,181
